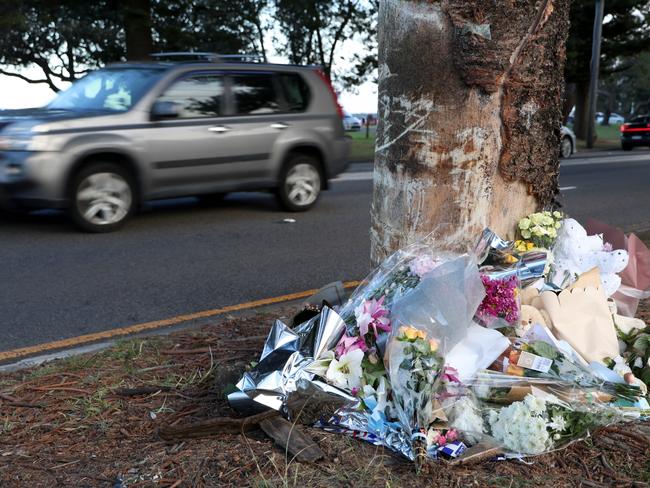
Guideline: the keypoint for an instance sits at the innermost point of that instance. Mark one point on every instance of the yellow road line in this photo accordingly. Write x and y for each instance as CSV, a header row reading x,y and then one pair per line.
x,y
157,324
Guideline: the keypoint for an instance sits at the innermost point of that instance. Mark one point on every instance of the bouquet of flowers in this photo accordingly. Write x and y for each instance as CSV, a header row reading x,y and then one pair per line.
x,y
501,302
539,229
414,366
539,423
539,359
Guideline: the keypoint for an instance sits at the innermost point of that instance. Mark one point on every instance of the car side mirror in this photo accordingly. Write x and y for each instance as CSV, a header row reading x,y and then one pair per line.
x,y
165,110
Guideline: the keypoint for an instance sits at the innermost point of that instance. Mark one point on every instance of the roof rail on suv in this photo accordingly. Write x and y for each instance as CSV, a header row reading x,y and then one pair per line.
x,y
209,57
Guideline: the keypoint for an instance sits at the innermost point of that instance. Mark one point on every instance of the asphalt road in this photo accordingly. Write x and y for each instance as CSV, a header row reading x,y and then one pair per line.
x,y
178,257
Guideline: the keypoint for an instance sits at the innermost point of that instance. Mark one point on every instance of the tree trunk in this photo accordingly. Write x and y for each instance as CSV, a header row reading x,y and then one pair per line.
x,y
569,101
469,104
582,110
608,107
137,29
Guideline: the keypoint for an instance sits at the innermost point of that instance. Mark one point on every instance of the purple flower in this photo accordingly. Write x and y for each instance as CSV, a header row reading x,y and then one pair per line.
x,y
500,299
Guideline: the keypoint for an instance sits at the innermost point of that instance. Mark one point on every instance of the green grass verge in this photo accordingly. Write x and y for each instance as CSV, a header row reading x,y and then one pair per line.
x,y
607,137
362,148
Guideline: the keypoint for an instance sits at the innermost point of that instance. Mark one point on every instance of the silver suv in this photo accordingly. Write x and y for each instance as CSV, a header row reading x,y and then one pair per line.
x,y
130,133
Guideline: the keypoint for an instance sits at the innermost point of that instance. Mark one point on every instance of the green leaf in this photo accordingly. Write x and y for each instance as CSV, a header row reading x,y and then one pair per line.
x,y
544,349
642,343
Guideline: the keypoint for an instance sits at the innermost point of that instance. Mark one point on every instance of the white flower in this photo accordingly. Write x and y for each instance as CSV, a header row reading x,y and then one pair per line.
x,y
524,224
557,422
522,426
320,366
467,420
346,371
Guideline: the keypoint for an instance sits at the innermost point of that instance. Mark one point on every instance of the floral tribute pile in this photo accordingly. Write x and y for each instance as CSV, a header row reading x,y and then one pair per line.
x,y
518,345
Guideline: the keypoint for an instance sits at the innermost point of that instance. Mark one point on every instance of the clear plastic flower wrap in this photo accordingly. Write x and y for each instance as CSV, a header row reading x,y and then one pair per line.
x,y
427,323
540,355
531,416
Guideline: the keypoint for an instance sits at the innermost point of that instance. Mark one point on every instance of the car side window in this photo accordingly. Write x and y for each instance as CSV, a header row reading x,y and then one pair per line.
x,y
197,96
296,92
254,94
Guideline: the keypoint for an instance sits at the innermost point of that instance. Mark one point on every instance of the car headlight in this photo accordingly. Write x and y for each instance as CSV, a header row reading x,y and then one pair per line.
x,y
15,142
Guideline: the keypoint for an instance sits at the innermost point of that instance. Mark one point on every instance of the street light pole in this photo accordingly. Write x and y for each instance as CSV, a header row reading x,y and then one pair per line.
x,y
595,67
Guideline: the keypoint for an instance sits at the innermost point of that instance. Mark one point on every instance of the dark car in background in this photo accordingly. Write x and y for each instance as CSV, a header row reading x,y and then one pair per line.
x,y
196,125
636,132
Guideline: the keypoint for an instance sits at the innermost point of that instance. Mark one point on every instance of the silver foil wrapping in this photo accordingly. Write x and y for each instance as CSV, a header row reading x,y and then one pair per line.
x,y
283,369
495,257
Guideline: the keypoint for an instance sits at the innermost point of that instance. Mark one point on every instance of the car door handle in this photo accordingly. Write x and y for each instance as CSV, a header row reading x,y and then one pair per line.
x,y
219,129
279,125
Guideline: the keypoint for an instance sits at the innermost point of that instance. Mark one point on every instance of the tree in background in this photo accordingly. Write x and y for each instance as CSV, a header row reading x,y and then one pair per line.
x,y
625,34
64,40
67,38
469,111
315,30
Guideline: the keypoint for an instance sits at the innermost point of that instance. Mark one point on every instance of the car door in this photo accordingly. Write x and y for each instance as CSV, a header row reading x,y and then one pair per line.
x,y
254,126
185,149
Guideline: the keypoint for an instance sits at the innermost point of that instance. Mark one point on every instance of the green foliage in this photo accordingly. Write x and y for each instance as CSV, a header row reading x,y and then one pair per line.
x,y
316,29
625,33
544,349
67,38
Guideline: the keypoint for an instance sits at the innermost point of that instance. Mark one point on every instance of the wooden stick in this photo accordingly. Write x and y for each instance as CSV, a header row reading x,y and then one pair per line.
x,y
219,425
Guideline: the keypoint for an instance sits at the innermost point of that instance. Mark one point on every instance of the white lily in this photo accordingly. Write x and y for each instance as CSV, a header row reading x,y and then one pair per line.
x,y
320,366
346,371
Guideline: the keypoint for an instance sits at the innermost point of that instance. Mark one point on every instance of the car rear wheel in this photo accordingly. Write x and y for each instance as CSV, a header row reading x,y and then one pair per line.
x,y
627,147
102,197
300,183
566,147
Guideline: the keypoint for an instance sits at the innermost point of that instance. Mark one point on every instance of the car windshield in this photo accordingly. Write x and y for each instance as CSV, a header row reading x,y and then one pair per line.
x,y
111,90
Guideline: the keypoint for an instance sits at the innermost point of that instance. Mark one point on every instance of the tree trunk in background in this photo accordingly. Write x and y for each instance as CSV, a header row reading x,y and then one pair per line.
x,y
469,116
582,110
569,101
136,16
608,107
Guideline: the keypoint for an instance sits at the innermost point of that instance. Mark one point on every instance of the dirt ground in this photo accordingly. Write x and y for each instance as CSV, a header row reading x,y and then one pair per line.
x,y
92,421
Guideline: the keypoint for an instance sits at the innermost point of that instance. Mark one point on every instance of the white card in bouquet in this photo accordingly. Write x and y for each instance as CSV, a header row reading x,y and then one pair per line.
x,y
480,348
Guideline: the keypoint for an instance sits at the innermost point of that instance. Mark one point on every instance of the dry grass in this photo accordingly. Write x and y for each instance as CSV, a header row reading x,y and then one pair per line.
x,y
77,431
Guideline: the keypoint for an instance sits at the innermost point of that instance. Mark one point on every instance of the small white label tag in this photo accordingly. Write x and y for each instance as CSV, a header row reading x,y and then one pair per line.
x,y
532,361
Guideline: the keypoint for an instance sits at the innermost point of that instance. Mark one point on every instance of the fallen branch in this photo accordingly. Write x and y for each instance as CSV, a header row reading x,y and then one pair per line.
x,y
15,402
219,425
144,390
290,438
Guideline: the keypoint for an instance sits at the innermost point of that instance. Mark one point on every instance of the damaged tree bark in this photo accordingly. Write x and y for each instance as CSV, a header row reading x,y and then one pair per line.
x,y
469,117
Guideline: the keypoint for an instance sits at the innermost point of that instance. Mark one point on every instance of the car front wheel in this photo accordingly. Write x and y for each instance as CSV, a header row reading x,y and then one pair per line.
x,y
102,197
566,148
300,183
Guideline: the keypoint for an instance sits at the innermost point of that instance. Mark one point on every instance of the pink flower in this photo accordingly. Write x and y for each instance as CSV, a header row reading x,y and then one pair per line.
x,y
450,374
422,265
348,343
500,299
372,314
451,436
442,440
607,247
